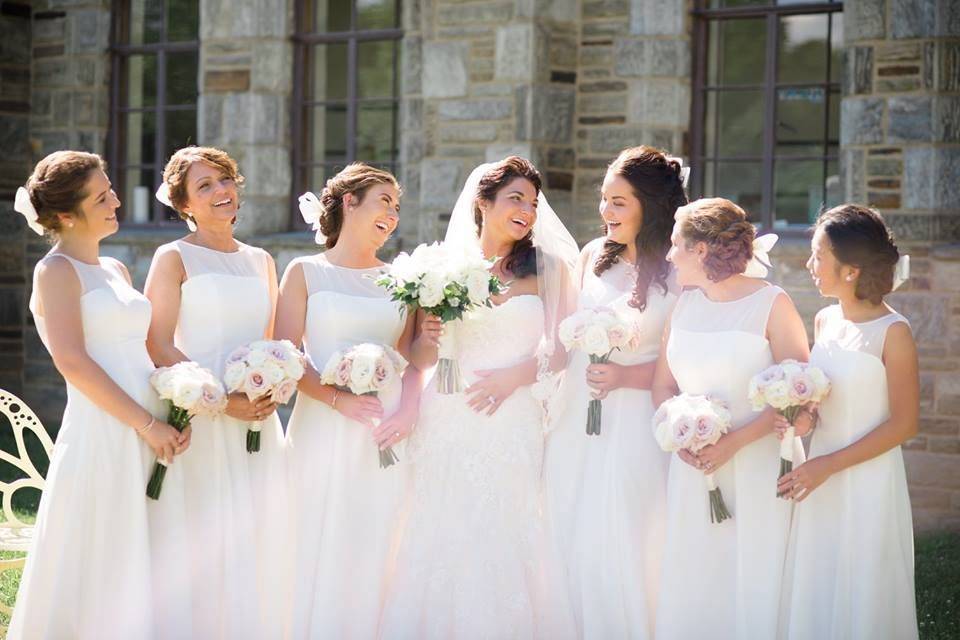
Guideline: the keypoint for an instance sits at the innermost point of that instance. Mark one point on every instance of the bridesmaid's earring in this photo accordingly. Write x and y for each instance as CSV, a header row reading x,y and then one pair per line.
x,y
191,224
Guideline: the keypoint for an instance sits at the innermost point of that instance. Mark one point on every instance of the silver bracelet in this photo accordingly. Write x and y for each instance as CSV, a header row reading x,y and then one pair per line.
x,y
142,430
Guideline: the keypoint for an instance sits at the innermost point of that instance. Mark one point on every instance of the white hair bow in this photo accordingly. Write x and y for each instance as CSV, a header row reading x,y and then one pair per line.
x,y
901,272
24,206
311,209
760,262
163,195
684,171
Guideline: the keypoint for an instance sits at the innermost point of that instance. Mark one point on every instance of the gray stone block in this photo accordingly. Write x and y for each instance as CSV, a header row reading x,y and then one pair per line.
x,y
861,121
495,109
445,73
14,40
659,103
910,119
948,66
946,119
611,140
545,113
864,20
440,183
86,34
605,8
665,17
859,66
14,139
947,182
852,175
913,18
50,73
272,68
948,18
918,178
515,52
411,65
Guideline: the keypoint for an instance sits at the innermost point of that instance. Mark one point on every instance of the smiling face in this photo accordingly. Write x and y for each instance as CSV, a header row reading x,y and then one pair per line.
x,y
211,195
687,257
376,215
831,277
98,210
621,210
513,211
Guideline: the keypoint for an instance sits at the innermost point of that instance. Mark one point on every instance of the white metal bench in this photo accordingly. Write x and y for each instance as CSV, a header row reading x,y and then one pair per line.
x,y
16,535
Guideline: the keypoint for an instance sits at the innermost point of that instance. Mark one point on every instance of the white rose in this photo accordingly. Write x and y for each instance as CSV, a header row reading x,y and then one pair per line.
x,y
821,381
431,289
272,373
329,374
361,375
187,394
256,357
234,376
568,332
478,286
778,394
595,340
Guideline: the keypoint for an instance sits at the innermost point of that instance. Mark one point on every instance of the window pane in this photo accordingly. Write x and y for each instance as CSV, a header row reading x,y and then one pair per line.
x,y
375,75
734,124
800,121
137,194
146,21
181,130
376,132
141,81
330,72
182,78
329,127
183,20
836,46
332,15
737,51
376,14
834,108
798,189
802,49
140,137
737,181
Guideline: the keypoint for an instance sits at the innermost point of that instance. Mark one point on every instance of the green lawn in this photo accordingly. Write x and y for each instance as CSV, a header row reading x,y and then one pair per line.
x,y
938,586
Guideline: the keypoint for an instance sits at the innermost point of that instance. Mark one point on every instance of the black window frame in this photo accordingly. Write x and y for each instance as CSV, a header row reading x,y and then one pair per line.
x,y
703,16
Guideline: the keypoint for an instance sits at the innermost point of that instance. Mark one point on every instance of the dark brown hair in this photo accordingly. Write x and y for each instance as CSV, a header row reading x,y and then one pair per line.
x,y
355,178
860,238
522,259
656,182
57,185
175,173
725,229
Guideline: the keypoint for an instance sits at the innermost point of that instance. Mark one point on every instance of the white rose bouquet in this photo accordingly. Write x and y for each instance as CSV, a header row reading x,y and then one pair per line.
x,y
264,368
365,370
694,422
191,391
444,283
598,332
788,387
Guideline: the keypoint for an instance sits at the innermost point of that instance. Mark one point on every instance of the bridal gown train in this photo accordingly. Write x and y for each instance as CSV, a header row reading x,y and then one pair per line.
x,y
606,494
850,572
471,560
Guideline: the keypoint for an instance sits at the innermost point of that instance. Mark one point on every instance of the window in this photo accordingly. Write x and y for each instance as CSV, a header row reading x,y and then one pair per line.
x,y
346,87
154,97
766,109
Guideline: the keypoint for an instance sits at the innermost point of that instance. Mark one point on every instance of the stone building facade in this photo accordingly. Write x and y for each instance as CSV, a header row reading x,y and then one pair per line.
x,y
567,83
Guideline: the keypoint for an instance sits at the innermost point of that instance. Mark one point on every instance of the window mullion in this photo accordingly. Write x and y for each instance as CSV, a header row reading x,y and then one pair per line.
x,y
159,144
352,106
769,123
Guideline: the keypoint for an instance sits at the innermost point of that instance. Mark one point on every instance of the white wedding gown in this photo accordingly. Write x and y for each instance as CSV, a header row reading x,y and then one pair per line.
x,y
100,565
344,506
606,494
235,499
850,572
472,559
724,580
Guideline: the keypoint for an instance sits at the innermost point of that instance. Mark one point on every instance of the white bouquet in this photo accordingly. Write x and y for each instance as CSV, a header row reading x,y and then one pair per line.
x,y
694,422
598,332
788,387
445,283
365,370
264,368
191,391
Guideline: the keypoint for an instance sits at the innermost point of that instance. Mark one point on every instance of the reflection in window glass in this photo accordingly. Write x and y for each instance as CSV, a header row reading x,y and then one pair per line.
x,y
802,48
737,51
732,125
800,121
799,191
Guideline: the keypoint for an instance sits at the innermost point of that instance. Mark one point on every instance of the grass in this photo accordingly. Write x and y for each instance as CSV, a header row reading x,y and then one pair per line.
x,y
938,586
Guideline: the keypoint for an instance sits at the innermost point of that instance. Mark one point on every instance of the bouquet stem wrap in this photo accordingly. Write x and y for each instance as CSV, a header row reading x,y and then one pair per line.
x,y
449,379
253,436
179,419
387,456
718,509
595,408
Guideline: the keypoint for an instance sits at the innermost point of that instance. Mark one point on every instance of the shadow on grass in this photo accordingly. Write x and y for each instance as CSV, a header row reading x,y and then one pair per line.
x,y
938,586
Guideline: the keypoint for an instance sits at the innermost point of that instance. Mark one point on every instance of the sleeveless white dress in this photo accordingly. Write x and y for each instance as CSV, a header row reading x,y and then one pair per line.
x,y
235,499
850,573
606,494
470,562
344,506
89,569
724,580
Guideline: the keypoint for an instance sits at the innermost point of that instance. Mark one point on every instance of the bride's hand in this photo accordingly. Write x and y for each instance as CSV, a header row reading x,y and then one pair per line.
x,y
363,409
604,378
242,408
488,393
395,428
431,329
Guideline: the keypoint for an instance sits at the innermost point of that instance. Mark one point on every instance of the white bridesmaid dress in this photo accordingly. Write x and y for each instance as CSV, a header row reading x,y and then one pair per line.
x,y
344,506
606,495
93,570
235,499
724,580
850,573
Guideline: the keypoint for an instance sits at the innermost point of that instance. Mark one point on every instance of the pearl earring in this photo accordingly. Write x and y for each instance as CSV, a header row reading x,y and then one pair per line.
x,y
849,278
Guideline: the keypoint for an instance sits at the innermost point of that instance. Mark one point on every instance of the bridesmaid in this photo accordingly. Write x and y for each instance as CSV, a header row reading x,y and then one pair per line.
x,y
211,294
606,495
851,571
88,572
723,580
344,506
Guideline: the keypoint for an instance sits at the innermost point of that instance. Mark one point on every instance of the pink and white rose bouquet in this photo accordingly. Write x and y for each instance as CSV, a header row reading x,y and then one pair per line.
x,y
598,332
365,370
269,368
788,387
693,422
191,391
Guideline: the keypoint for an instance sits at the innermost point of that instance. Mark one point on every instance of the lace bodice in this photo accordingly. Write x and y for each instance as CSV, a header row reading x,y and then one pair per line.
x,y
500,336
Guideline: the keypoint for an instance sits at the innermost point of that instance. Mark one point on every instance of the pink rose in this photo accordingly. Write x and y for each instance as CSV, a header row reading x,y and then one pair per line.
x,y
284,391
801,389
255,384
342,373
238,355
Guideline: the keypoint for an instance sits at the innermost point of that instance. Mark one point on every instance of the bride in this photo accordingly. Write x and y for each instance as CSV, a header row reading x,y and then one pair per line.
x,y
471,561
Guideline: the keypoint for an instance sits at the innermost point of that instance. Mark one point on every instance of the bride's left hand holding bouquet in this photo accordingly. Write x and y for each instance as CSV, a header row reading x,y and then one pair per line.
x,y
270,368
191,391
